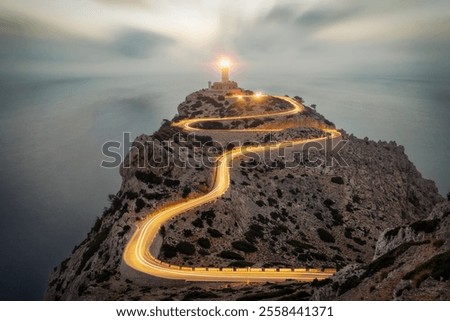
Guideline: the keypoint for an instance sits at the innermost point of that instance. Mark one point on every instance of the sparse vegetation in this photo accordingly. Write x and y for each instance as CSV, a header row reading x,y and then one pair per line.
x,y
255,231
438,243
388,259
359,241
212,125
427,226
214,232
169,251
149,178
244,246
260,203
300,247
349,284
437,267
204,242
82,289
241,264
171,182
317,284
131,195
139,205
155,196
186,191
103,276
337,180
272,201
348,232
325,235
356,199
266,295
318,215
197,294
230,255
279,229
318,256
185,248
328,203
392,233
338,219
125,229
208,216
92,247
198,222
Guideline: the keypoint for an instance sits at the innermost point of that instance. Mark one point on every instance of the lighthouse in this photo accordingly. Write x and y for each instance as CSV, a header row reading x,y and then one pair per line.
x,y
225,86
225,69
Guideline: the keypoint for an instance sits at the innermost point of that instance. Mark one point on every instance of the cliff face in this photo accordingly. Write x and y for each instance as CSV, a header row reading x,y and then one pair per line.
x,y
411,262
367,205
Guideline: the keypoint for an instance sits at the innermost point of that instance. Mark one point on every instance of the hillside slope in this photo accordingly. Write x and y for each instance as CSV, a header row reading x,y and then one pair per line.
x,y
306,212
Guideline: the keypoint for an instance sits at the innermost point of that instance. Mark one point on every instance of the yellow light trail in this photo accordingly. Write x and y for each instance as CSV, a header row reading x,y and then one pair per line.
x,y
137,252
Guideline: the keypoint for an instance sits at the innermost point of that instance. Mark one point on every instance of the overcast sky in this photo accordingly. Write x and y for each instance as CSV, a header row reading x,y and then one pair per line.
x,y
409,38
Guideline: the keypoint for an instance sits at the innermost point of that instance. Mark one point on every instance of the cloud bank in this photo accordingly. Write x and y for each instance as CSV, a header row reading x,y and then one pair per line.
x,y
349,37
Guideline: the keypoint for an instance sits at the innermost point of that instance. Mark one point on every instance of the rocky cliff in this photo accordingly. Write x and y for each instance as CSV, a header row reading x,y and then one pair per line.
x,y
411,262
366,211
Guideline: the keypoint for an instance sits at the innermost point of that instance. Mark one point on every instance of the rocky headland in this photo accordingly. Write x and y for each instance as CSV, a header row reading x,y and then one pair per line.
x,y
368,213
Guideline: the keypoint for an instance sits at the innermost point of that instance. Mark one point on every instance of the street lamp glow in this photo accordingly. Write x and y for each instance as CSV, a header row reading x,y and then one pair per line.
x,y
258,94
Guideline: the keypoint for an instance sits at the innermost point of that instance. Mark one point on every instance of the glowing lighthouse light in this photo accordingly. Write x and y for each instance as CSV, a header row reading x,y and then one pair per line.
x,y
224,65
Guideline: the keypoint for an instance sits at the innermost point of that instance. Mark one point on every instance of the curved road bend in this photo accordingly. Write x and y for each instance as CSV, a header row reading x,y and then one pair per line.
x,y
137,252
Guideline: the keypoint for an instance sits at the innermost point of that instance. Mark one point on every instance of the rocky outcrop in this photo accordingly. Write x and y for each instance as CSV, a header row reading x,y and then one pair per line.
x,y
411,262
353,209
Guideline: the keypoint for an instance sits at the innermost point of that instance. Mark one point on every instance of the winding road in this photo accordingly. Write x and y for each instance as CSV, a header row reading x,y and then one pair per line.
x,y
137,253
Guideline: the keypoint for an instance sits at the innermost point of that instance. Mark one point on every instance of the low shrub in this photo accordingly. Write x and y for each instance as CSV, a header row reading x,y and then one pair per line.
x,y
186,248
337,180
204,242
241,264
169,251
436,267
230,255
427,226
198,222
325,235
148,178
244,246
214,232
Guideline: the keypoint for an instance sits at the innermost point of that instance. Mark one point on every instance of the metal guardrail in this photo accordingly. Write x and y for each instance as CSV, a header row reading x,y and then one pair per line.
x,y
247,269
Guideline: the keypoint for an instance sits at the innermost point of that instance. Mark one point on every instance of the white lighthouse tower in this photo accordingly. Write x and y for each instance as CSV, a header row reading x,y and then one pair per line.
x,y
225,68
226,86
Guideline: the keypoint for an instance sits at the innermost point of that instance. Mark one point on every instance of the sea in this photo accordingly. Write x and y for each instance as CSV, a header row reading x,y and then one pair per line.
x,y
52,130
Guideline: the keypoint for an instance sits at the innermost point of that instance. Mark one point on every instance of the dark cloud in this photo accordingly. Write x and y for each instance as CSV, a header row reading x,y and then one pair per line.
x,y
128,3
281,13
15,24
348,36
30,44
322,16
135,43
325,36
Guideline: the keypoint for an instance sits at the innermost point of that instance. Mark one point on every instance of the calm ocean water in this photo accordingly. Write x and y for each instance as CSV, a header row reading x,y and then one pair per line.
x,y
52,130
